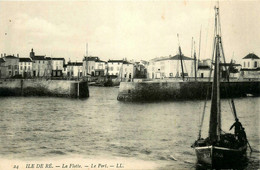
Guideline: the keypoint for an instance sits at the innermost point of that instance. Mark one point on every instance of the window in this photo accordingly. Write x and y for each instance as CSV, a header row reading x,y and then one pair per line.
x,y
255,63
28,67
21,68
248,64
16,67
244,64
9,67
10,73
25,67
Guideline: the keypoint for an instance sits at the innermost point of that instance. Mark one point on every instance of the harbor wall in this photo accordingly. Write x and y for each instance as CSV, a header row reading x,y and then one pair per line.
x,y
43,87
179,90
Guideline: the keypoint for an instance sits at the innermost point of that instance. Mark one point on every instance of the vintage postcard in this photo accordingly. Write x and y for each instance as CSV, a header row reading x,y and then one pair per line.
x,y
126,85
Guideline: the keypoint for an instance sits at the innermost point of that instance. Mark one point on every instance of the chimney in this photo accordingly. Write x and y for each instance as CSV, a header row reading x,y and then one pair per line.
x,y
18,55
1,55
4,54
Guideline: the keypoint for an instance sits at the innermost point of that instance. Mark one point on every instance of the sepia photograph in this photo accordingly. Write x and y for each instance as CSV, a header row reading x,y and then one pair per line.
x,y
129,85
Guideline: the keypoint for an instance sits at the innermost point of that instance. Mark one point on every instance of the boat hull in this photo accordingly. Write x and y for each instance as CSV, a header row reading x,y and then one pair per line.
x,y
220,156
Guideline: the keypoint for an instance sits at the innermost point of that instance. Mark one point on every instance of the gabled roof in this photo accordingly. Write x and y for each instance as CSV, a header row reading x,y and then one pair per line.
x,y
25,60
251,56
176,57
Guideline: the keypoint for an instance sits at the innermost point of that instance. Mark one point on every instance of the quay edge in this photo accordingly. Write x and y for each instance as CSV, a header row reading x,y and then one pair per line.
x,y
181,90
43,87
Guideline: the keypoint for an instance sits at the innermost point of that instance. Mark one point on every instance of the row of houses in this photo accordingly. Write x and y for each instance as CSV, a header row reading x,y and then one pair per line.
x,y
170,67
33,66
92,66
42,66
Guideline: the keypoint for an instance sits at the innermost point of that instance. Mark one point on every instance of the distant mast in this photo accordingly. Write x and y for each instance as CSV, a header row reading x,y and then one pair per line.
x,y
195,64
182,71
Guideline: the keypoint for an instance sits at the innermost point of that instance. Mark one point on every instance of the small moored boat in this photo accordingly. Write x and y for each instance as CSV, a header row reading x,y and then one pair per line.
x,y
220,149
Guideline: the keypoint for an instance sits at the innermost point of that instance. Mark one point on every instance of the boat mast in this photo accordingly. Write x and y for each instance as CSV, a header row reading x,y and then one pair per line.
x,y
215,117
195,60
182,72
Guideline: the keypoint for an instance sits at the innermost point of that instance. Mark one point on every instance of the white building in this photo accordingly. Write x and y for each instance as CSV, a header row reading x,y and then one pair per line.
x,y
74,69
204,67
128,71
250,66
169,67
100,68
89,65
57,66
41,65
115,67
25,67
251,61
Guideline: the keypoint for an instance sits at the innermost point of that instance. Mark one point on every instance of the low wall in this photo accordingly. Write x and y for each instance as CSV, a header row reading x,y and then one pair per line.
x,y
42,87
179,90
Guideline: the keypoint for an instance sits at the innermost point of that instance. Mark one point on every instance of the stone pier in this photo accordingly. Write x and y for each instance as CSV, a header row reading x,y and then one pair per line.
x,y
42,87
181,90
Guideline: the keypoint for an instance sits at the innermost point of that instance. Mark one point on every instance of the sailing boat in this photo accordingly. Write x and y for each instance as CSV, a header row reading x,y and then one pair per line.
x,y
220,149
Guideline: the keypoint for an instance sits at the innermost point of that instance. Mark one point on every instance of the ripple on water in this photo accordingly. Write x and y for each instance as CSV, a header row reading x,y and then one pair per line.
x,y
55,152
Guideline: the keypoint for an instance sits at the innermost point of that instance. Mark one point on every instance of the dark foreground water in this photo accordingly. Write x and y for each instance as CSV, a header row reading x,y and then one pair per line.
x,y
102,130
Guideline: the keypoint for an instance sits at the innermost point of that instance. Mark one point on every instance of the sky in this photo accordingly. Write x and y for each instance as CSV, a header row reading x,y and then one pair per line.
x,y
139,30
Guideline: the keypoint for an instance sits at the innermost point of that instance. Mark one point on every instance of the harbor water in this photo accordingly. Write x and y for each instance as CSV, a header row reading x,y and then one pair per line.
x,y
154,135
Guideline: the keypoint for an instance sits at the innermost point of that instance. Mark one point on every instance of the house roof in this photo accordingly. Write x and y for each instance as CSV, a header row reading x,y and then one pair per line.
x,y
25,60
204,67
100,61
11,57
38,57
176,57
228,64
91,58
57,58
126,62
249,69
115,61
251,56
75,64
